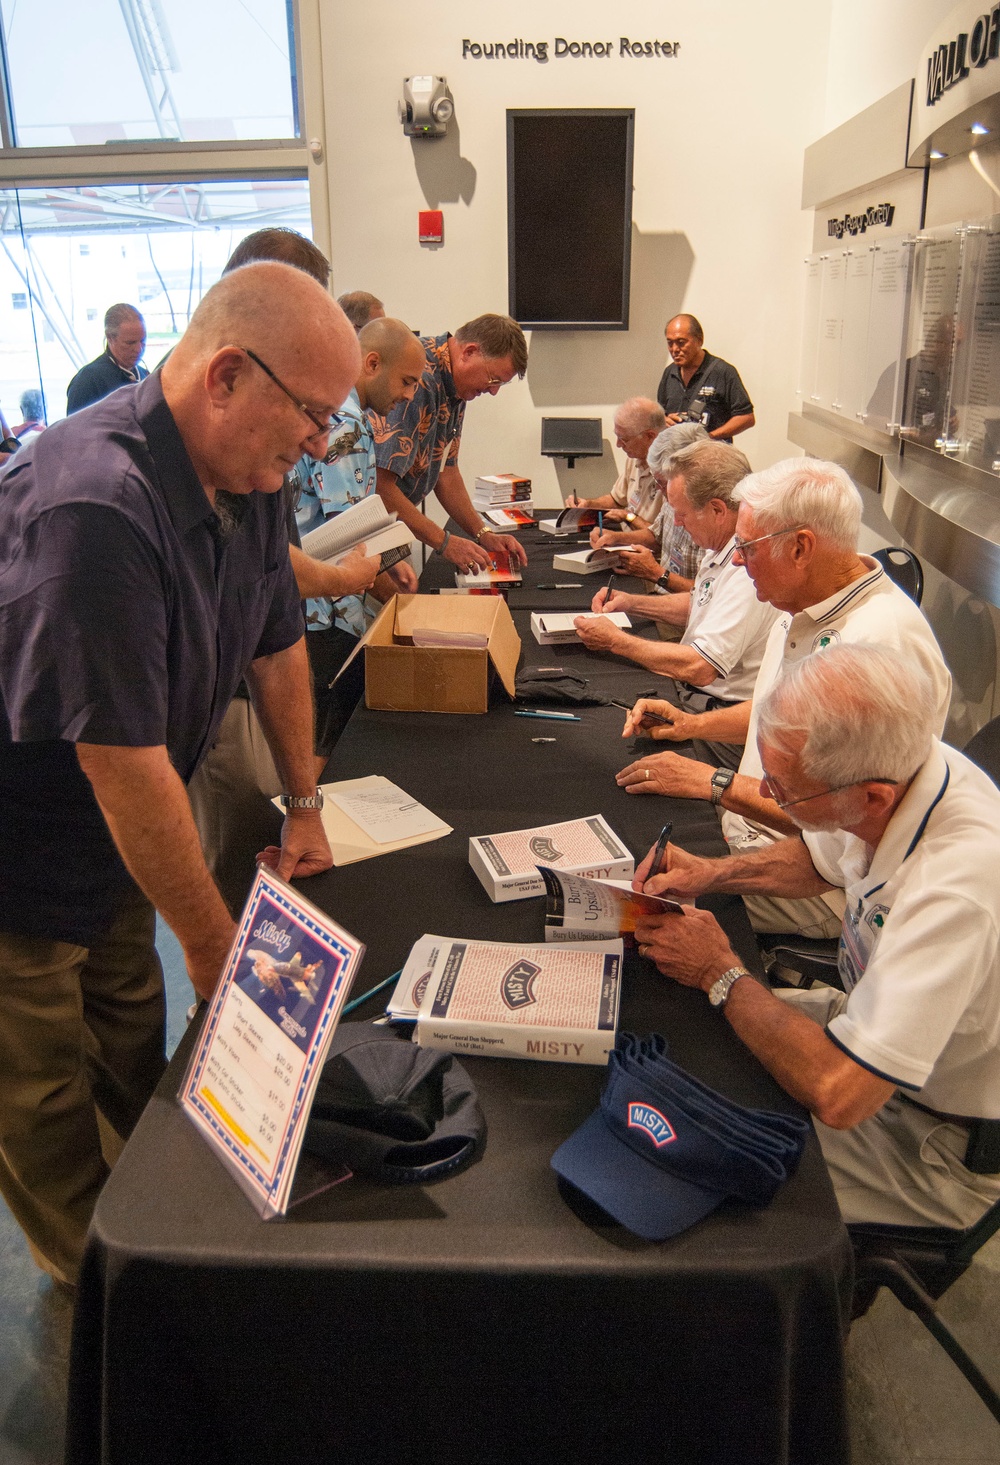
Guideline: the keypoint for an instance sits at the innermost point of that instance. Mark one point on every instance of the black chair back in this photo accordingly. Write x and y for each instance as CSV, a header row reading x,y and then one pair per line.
x,y
984,749
904,569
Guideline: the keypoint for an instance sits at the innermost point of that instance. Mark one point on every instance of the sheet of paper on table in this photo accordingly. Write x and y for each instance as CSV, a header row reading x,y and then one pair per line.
x,y
250,1083
364,817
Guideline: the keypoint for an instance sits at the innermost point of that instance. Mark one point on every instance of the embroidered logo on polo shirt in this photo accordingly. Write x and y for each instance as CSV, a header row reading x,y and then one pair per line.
x,y
543,847
517,985
875,917
652,1122
705,591
825,640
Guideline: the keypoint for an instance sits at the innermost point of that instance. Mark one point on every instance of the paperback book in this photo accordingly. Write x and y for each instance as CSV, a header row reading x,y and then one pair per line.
x,y
507,864
578,909
498,999
503,570
559,628
368,523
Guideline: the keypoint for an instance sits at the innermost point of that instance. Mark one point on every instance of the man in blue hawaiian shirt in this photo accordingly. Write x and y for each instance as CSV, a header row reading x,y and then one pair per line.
x,y
392,360
416,446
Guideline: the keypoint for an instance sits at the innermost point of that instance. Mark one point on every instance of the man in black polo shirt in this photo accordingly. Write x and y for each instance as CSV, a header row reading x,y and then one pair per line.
x,y
699,387
118,364
144,570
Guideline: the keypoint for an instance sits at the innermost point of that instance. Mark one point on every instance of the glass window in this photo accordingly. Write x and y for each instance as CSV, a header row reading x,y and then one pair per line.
x,y
158,247
121,70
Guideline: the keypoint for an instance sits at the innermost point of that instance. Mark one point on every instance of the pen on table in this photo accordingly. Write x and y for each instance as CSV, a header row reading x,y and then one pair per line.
x,y
556,716
658,867
653,716
567,585
357,1001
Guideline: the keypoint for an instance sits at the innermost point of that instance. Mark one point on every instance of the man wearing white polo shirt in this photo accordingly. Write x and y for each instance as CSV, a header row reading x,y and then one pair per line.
x,y
901,1069
725,626
798,527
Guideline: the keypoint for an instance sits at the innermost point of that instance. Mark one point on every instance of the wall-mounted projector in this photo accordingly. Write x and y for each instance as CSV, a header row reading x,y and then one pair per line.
x,y
426,106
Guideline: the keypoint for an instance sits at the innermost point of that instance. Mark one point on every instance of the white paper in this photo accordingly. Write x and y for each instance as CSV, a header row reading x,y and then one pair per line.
x,y
384,811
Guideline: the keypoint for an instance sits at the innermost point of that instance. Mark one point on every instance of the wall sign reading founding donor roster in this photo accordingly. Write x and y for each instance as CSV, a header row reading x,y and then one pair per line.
x,y
521,50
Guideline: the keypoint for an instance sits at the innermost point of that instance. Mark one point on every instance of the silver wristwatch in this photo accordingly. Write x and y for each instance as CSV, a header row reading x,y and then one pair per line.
x,y
720,990
314,801
721,779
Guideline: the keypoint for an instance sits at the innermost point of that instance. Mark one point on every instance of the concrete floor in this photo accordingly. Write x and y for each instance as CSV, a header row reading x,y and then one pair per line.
x,y
908,1403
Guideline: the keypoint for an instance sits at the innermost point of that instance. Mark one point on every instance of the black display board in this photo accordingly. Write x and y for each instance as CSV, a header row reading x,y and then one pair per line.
x,y
569,217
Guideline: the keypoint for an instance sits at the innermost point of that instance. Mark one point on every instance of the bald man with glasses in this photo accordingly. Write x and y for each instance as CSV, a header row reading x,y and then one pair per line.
x,y
796,536
147,573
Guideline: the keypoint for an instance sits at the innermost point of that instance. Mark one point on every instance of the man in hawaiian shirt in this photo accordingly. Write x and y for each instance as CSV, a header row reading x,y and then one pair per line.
x,y
416,446
392,360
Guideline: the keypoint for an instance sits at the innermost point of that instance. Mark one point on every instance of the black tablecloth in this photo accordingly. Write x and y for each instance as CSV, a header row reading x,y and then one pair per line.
x,y
492,1318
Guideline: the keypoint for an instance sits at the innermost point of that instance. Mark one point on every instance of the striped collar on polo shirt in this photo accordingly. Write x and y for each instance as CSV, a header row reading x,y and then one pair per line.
x,y
835,606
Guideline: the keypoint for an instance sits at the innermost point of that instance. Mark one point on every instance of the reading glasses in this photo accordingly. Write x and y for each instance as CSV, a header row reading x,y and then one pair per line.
x,y
323,426
742,545
775,791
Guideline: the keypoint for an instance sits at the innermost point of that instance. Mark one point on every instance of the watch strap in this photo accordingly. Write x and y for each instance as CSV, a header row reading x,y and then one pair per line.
x,y
718,992
310,801
721,779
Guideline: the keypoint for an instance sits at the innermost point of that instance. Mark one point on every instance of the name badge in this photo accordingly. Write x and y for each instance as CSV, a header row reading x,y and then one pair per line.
x,y
857,939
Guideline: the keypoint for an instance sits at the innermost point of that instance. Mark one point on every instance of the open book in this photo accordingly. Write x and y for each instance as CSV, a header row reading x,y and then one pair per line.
x,y
368,523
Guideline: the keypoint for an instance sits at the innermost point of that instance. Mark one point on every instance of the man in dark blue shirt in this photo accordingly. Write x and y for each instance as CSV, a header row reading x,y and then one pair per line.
x,y
144,570
118,364
699,387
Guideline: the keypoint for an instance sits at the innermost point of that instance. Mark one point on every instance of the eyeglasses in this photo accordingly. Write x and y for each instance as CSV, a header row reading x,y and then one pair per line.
x,y
775,791
323,426
742,545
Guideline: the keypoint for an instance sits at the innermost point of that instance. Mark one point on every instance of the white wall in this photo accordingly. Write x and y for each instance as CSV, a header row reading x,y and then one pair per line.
x,y
720,132
874,46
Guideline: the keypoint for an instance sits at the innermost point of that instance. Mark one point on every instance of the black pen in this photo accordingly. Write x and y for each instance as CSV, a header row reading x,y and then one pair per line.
x,y
653,716
658,867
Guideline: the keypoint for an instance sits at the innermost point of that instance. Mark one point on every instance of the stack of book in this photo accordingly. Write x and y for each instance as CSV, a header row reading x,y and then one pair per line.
x,y
499,490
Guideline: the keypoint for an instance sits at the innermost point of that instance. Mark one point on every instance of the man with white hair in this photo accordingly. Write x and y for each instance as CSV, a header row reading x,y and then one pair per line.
x,y
145,572
797,534
635,500
725,626
900,1069
118,364
678,555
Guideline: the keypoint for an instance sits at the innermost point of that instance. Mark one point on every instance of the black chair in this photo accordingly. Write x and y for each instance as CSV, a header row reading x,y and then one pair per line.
x,y
812,959
902,567
984,749
918,1264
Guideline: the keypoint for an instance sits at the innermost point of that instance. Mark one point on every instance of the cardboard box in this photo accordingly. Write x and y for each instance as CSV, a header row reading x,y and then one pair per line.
x,y
402,677
507,864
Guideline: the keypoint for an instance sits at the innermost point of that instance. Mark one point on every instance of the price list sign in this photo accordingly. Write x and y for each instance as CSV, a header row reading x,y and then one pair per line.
x,y
250,1084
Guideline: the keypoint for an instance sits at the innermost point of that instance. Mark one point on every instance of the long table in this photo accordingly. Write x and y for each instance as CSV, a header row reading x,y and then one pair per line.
x,y
495,1317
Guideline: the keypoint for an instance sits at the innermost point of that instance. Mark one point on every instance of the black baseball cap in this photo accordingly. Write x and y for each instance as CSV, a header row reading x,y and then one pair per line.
x,y
391,1110
663,1150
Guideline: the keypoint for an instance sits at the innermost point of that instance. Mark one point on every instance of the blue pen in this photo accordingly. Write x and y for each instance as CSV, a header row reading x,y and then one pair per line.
x,y
600,522
357,1001
555,716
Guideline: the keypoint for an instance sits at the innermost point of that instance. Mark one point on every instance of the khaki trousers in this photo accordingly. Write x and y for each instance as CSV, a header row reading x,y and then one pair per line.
x,y
901,1167
230,798
81,1036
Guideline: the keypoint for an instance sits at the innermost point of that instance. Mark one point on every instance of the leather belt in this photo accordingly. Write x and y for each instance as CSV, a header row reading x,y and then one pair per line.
x,y
964,1120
